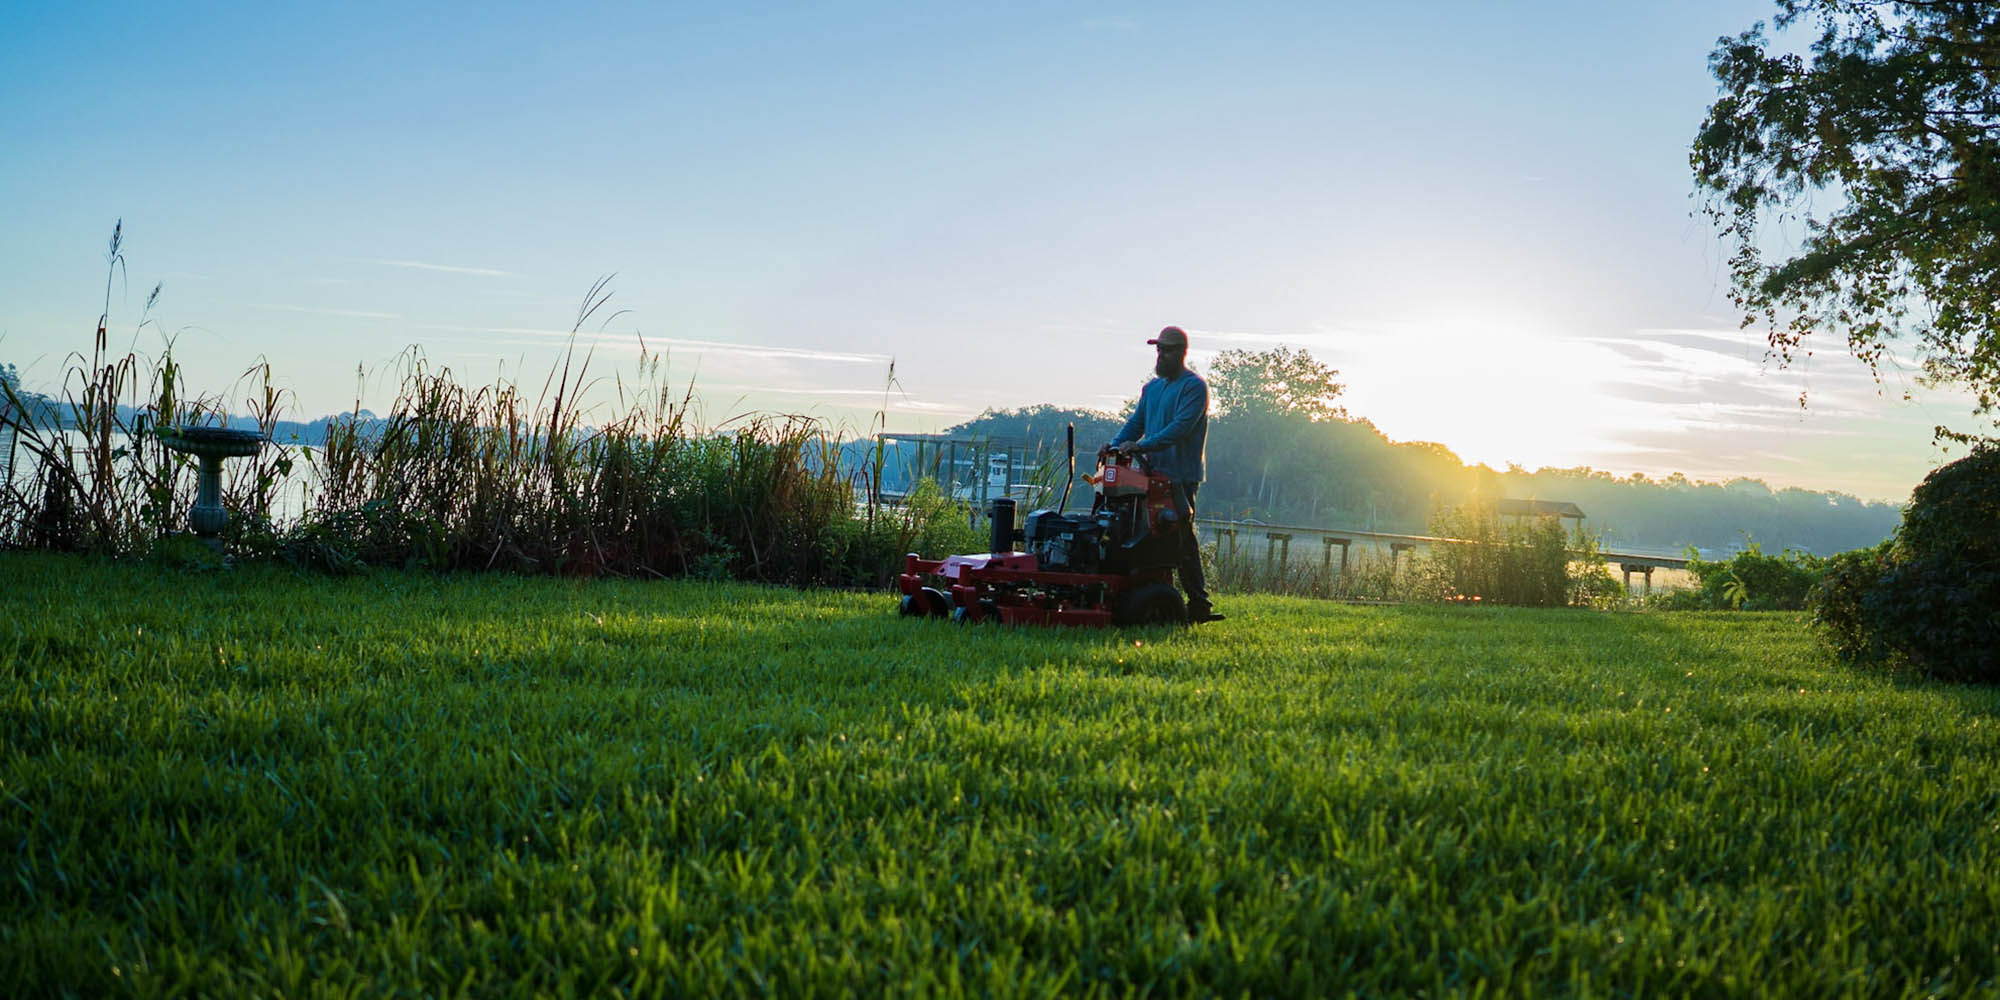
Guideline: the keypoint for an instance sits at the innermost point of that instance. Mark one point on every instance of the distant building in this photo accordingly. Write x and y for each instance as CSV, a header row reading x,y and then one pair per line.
x,y
1539,508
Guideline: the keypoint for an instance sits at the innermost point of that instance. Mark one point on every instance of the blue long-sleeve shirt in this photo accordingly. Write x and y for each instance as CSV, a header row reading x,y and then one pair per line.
x,y
1171,425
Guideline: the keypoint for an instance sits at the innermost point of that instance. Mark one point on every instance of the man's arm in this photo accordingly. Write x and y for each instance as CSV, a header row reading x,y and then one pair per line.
x,y
1188,409
1134,428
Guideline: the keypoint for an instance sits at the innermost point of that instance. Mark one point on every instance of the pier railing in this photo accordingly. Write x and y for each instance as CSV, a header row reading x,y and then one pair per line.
x,y
1277,549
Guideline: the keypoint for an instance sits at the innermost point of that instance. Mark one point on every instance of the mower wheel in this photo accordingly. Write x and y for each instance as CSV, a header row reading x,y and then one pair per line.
x,y
929,602
1150,604
985,611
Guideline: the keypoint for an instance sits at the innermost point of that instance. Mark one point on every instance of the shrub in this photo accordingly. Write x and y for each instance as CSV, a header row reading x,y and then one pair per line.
x,y
928,522
1751,581
1838,600
1929,601
1511,562
1591,582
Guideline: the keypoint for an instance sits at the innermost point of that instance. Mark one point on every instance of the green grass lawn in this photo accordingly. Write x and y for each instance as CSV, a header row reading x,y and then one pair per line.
x,y
258,782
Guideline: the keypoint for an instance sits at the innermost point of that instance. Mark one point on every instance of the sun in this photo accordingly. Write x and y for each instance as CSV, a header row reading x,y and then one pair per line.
x,y
1492,389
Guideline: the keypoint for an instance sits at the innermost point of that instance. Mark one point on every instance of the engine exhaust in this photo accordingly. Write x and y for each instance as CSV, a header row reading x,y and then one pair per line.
x,y
1003,526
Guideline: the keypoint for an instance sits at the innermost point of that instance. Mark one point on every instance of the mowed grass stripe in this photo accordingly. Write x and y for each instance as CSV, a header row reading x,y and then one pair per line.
x,y
261,782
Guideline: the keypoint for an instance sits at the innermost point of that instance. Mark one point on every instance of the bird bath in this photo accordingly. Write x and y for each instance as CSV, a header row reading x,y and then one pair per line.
x,y
211,445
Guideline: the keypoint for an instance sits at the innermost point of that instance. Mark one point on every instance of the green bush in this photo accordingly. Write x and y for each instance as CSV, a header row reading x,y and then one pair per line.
x,y
1838,599
1522,562
1750,581
1929,601
928,522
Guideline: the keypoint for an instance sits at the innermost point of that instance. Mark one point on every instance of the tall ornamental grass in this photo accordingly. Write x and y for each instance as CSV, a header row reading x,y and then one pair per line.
x,y
461,477
91,474
1307,571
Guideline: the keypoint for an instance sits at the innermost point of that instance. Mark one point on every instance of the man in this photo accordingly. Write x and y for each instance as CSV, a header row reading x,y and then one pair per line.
x,y
1171,428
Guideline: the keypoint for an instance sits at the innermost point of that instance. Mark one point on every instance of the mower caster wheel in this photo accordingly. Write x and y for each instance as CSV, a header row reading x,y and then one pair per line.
x,y
929,602
1149,604
986,611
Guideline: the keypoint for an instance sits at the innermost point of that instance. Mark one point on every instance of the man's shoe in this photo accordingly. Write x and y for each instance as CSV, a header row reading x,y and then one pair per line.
x,y
1202,613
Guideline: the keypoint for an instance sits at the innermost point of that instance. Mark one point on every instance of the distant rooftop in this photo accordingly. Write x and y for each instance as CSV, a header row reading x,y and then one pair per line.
x,y
1539,508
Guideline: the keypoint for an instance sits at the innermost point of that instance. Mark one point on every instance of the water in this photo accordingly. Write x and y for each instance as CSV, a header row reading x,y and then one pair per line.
x,y
20,467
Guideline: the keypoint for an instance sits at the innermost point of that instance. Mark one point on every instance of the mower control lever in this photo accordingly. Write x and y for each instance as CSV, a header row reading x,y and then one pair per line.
x,y
1071,481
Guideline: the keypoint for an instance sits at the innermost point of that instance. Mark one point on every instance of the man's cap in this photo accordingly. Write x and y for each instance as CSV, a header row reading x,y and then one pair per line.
x,y
1172,336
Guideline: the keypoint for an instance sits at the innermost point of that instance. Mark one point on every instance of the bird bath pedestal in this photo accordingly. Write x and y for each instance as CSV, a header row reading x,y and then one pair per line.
x,y
211,445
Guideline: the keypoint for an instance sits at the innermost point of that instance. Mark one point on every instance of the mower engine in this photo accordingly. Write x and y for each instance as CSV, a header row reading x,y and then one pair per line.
x,y
1130,526
1066,543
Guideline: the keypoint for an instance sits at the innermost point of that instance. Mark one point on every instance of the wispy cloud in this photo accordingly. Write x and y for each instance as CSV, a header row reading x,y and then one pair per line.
x,y
317,311
755,351
418,265
813,391
1198,337
1705,364
898,402
765,351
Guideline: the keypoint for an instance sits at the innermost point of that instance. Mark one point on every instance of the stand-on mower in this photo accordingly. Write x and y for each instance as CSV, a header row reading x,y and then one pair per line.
x,y
1112,566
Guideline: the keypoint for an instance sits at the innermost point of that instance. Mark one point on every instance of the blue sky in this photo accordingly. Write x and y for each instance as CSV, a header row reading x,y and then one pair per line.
x,y
1479,212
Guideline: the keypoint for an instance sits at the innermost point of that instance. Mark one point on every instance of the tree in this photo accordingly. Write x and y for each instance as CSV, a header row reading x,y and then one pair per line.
x,y
1266,405
1040,425
1277,381
1885,145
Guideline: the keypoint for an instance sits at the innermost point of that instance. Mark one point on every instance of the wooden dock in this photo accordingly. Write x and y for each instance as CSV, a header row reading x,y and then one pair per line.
x,y
1243,538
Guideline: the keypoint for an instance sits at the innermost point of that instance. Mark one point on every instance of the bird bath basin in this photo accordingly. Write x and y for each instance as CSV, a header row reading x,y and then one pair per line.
x,y
211,445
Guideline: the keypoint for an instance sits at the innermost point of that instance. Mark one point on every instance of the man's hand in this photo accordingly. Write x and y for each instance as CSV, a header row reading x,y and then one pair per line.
x,y
1129,449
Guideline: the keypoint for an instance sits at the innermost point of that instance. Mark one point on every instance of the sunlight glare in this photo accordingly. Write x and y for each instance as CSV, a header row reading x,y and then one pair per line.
x,y
1492,389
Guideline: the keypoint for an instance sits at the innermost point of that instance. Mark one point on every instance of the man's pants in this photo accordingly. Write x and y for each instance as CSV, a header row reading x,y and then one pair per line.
x,y
1192,580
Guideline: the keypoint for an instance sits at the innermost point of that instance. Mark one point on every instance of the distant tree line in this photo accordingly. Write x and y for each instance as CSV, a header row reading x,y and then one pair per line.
x,y
1281,449
43,411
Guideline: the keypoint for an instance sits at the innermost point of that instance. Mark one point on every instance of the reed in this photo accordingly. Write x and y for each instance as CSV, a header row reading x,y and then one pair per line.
x,y
460,478
1368,577
98,478
464,477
